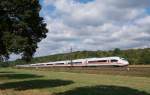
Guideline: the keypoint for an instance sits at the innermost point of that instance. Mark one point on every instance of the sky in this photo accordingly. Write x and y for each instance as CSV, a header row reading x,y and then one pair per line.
x,y
94,25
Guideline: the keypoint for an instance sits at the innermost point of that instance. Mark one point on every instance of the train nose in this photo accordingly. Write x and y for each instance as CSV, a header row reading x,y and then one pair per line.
x,y
126,63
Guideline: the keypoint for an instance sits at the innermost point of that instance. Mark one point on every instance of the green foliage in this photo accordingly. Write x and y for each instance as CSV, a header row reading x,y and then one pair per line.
x,y
116,51
21,28
4,64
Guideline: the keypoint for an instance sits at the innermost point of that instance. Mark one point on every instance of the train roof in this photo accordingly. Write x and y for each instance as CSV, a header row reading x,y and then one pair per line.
x,y
96,58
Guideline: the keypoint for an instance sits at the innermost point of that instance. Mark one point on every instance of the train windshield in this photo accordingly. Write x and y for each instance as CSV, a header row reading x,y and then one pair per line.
x,y
124,59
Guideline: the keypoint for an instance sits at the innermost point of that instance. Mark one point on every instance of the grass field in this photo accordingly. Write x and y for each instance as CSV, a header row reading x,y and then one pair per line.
x,y
49,82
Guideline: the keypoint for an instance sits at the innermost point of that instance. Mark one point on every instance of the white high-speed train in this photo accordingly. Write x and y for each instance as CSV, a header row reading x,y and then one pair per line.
x,y
105,61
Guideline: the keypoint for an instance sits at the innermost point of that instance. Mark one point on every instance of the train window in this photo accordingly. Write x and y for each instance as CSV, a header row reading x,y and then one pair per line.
x,y
49,64
114,60
59,63
97,61
39,65
102,61
77,62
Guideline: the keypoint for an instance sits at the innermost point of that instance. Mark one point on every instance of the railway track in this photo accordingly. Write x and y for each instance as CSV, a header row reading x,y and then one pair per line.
x,y
143,71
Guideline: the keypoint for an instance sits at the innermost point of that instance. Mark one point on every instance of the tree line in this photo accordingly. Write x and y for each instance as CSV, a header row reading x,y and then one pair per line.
x,y
134,56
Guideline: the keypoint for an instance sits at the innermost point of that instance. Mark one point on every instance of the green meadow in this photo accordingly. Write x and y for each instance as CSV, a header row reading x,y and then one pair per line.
x,y
46,82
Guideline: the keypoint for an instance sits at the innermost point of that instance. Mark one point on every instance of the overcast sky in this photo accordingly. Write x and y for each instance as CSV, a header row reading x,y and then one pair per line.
x,y
94,25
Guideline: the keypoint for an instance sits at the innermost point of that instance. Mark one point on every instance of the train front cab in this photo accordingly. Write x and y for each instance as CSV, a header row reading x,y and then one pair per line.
x,y
120,62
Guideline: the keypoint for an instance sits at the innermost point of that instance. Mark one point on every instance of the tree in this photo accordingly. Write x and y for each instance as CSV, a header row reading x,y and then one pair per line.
x,y
116,51
21,28
145,57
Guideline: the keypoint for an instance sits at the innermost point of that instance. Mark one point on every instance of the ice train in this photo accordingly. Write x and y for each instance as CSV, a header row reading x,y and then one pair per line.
x,y
105,61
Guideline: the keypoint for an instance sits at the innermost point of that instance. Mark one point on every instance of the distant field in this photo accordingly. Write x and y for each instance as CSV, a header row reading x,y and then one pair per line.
x,y
57,82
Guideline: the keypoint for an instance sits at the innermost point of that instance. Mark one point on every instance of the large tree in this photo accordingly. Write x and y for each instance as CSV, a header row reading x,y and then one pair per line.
x,y
21,28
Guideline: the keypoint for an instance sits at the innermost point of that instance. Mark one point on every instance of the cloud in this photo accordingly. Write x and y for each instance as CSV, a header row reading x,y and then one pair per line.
x,y
94,25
